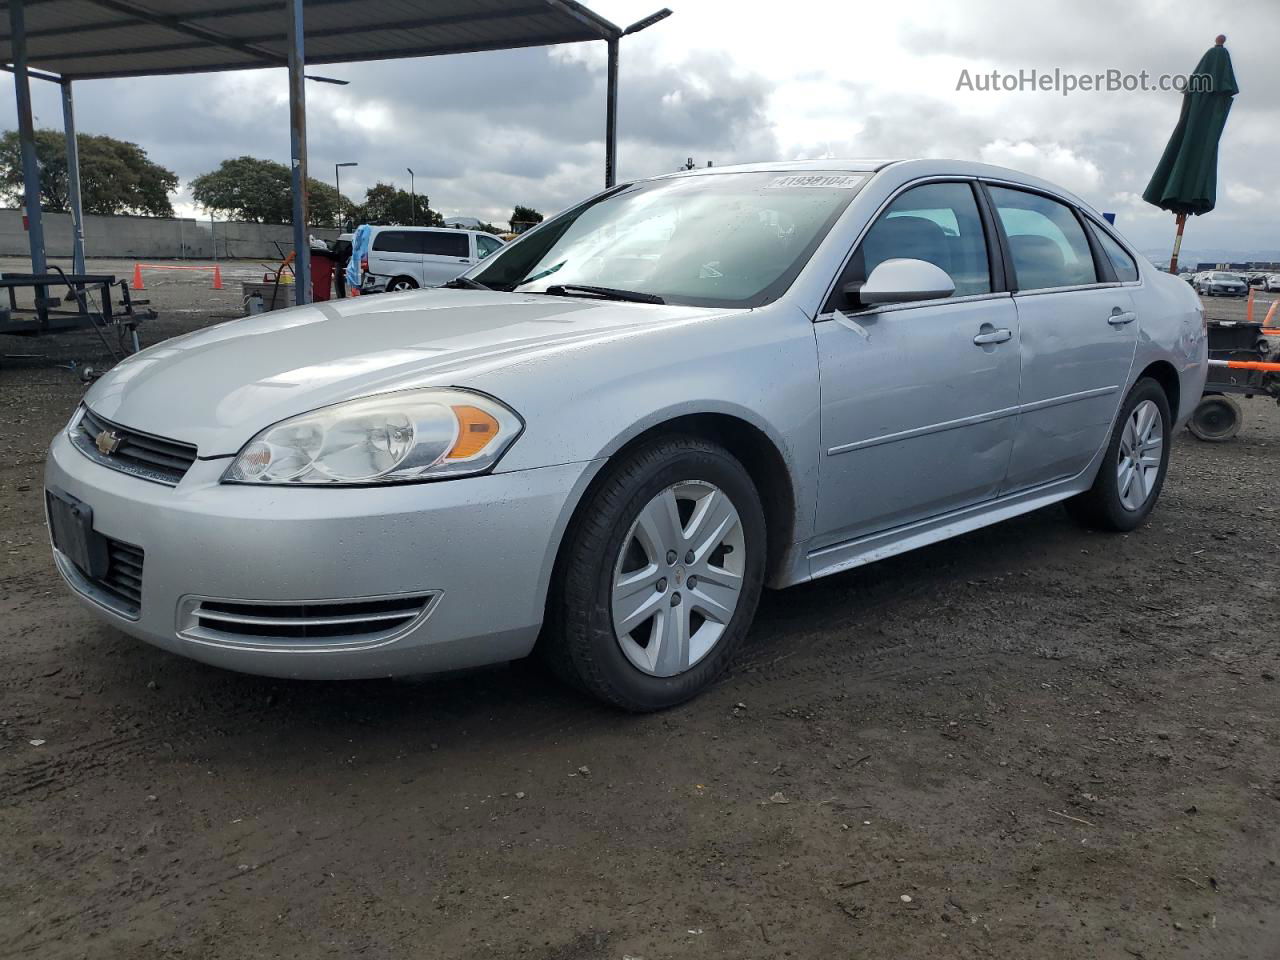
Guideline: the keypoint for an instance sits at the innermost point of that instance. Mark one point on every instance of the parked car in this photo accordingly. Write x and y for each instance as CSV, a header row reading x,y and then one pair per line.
x,y
1273,282
1257,280
604,440
1187,277
405,258
1215,283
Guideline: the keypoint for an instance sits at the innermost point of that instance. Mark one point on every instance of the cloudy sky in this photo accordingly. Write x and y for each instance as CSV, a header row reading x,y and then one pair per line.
x,y
730,82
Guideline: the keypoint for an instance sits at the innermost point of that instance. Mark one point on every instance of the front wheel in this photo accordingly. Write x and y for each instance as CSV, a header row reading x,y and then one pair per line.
x,y
659,576
1134,465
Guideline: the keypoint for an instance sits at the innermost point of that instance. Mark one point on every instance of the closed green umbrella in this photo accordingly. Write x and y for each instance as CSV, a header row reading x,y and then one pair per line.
x,y
1186,178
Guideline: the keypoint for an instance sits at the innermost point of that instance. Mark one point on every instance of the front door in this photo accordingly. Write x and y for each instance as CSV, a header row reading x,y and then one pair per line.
x,y
918,400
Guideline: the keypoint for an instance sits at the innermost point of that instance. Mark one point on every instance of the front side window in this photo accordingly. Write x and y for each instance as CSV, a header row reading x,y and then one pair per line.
x,y
719,240
937,222
1046,240
445,243
1123,264
487,245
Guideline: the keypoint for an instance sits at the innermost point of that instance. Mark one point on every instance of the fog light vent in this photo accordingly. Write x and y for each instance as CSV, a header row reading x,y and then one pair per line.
x,y
303,624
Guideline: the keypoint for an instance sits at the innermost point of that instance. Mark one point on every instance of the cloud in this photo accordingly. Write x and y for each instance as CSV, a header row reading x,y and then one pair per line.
x,y
1050,161
721,81
1245,195
481,132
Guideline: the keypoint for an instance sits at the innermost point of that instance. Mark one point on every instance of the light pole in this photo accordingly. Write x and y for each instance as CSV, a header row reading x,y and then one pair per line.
x,y
337,185
413,201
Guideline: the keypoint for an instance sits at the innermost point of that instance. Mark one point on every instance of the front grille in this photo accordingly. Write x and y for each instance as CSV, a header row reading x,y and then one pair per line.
x,y
141,454
311,623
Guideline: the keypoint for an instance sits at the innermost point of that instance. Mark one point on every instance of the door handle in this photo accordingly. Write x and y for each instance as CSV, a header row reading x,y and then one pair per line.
x,y
463,260
1119,318
993,336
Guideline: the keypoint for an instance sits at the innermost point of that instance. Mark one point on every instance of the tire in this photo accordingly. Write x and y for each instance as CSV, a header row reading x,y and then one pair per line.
x,y
1216,419
611,549
400,284
1108,505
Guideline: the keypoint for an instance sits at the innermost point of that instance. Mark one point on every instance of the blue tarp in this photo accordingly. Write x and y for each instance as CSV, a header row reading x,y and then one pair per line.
x,y
359,250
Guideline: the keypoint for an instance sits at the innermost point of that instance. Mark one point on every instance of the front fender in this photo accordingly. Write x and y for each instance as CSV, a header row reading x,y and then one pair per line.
x,y
585,404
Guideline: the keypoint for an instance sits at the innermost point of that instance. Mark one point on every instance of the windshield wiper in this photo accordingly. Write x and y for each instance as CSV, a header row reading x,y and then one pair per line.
x,y
538,276
607,293
466,283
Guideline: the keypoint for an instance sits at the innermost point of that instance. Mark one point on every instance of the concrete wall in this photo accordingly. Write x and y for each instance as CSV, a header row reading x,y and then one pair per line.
x,y
153,238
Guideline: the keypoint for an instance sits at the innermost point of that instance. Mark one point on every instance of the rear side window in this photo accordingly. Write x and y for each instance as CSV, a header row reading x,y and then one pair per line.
x,y
1124,266
397,241
936,222
1046,240
445,243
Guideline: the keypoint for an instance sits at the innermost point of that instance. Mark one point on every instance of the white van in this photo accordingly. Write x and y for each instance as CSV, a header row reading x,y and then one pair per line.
x,y
404,258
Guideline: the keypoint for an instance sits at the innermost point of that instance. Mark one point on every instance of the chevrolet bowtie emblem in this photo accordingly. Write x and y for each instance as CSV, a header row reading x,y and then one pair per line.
x,y
107,442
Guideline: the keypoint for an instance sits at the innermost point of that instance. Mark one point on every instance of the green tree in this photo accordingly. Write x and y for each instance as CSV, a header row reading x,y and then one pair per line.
x,y
261,191
524,215
387,203
115,176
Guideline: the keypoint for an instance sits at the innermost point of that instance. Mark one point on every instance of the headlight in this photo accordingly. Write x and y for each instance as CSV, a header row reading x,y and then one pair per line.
x,y
392,437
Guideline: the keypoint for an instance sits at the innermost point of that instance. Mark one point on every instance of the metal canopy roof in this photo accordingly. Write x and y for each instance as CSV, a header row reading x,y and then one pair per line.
x,y
84,39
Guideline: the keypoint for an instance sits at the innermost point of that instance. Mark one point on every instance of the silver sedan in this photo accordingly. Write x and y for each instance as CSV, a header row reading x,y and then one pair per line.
x,y
601,443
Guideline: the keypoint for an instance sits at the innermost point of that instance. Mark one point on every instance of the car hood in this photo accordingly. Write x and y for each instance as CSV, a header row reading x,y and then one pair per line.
x,y
219,386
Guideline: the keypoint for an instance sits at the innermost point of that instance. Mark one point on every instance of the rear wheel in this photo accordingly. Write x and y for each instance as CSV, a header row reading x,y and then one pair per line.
x,y
402,283
1215,419
659,576
1134,464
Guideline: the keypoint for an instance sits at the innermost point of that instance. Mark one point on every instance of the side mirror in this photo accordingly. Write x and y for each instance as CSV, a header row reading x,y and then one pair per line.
x,y
905,281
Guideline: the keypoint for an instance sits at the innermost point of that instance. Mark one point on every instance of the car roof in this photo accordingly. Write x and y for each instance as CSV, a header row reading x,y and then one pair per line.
x,y
849,165
402,226
903,169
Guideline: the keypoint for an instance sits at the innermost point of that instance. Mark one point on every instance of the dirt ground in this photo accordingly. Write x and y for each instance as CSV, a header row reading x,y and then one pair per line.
x,y
1032,741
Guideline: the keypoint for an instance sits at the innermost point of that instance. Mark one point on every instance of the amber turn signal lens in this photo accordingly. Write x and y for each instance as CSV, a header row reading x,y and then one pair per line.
x,y
475,429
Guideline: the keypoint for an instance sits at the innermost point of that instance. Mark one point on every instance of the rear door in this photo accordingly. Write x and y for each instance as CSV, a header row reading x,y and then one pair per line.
x,y
445,254
396,253
1078,334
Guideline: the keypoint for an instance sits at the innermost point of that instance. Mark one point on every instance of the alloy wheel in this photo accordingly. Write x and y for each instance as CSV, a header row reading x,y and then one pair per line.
x,y
1140,456
678,578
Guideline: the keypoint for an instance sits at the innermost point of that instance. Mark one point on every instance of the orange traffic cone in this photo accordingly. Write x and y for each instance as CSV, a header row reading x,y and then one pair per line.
x,y
137,277
217,277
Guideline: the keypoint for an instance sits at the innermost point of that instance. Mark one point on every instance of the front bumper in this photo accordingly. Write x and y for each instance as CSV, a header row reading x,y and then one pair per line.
x,y
482,547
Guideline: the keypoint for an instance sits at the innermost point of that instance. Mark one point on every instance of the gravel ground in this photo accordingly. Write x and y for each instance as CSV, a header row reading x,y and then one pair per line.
x,y
1030,741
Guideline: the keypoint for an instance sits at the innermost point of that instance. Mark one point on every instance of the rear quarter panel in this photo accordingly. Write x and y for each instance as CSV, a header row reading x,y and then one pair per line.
x,y
1172,329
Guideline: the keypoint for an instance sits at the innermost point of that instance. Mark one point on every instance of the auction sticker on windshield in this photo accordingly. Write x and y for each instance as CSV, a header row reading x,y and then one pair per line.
x,y
816,180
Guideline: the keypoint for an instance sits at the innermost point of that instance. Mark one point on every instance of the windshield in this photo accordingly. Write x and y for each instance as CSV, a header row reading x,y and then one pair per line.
x,y
717,240
1225,276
